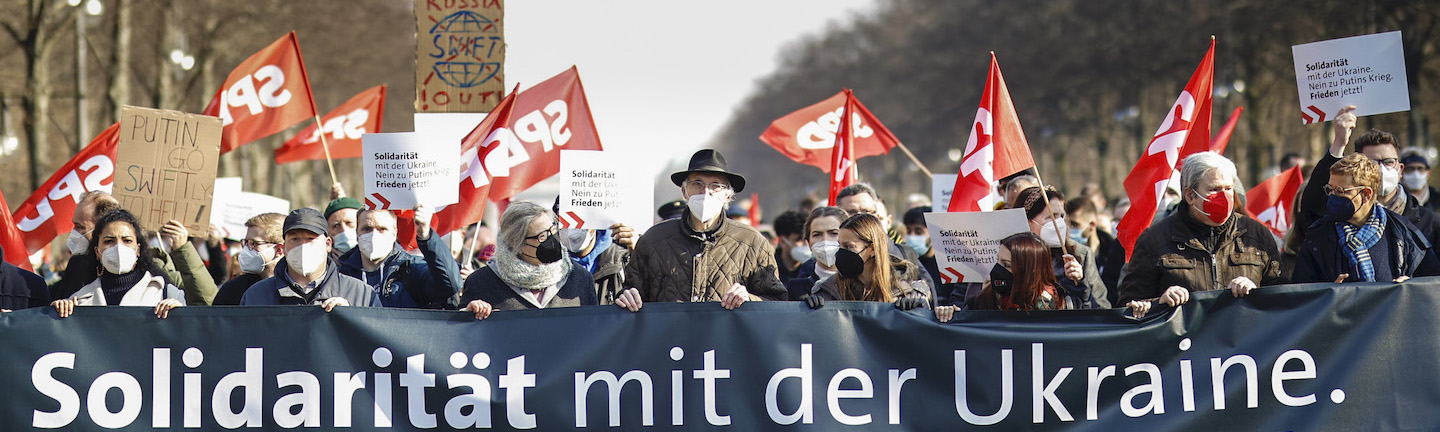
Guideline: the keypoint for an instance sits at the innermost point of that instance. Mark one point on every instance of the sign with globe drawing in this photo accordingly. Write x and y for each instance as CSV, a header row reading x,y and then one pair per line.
x,y
459,55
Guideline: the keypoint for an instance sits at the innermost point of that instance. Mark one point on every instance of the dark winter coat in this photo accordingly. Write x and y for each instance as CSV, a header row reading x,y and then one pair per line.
x,y
674,263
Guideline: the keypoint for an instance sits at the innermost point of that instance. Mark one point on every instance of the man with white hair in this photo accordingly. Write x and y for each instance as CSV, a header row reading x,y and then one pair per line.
x,y
1205,245
703,256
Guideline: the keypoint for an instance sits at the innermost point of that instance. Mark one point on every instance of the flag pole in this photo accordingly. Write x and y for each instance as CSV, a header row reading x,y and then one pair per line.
x,y
474,237
1064,239
914,159
325,144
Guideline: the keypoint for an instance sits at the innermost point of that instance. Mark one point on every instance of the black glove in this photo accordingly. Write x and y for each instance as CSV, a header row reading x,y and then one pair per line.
x,y
910,303
814,301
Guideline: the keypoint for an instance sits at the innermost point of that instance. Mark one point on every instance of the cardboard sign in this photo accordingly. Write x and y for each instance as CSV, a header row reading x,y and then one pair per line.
x,y
1365,71
459,55
403,169
941,186
600,188
234,206
165,166
966,243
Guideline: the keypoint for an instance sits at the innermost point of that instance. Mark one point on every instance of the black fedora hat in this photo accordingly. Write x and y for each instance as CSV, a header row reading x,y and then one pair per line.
x,y
709,161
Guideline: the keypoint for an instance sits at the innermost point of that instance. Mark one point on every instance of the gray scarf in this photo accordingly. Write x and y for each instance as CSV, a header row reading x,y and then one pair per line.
x,y
523,275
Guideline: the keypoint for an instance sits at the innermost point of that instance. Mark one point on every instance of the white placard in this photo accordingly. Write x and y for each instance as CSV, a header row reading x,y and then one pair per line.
x,y
966,242
246,205
403,169
227,190
599,188
1365,71
941,186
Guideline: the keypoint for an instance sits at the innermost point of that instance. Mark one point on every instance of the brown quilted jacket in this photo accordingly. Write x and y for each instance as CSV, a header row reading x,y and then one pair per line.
x,y
673,263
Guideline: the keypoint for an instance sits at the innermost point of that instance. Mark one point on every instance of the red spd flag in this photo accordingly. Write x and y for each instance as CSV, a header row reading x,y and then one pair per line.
x,y
997,148
1222,138
47,213
525,149
1186,130
474,183
343,126
842,155
807,136
11,239
1270,201
265,94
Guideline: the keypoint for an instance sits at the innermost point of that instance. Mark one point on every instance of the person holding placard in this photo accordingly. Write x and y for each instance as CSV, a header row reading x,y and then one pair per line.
x,y
865,270
1074,263
1360,239
1207,244
311,277
529,269
128,275
703,256
259,253
822,233
1019,281
1381,147
402,279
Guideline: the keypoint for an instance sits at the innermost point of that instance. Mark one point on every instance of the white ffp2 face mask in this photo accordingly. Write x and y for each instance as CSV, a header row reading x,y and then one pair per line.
x,y
824,252
307,258
1415,180
118,259
345,241
706,206
1051,235
1389,179
251,262
77,242
374,245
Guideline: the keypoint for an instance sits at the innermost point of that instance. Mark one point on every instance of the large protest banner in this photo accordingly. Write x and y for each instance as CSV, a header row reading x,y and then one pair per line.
x,y
459,55
1300,357
1366,71
166,166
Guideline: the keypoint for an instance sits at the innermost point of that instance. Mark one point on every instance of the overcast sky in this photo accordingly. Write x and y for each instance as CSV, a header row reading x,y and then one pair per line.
x,y
662,76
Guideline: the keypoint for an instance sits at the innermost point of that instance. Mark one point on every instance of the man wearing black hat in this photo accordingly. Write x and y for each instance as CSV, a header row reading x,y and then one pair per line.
x,y
310,276
704,256
1417,181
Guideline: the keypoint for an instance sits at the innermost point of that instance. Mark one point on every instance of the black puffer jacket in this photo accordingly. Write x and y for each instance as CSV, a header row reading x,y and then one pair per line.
x,y
674,263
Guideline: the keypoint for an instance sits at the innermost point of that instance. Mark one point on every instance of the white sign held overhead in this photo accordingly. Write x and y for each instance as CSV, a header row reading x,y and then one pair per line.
x,y
966,243
404,169
1366,71
600,188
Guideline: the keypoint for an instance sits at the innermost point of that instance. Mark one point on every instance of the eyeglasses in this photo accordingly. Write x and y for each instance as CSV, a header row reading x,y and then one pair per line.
x,y
712,187
1333,191
545,235
1387,161
252,244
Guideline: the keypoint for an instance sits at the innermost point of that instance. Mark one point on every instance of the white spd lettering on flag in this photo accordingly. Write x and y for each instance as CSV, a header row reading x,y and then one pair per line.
x,y
245,93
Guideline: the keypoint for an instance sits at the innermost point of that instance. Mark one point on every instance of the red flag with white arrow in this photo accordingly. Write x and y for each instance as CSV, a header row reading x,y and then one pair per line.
x,y
344,125
808,135
1270,201
996,149
265,94
1186,130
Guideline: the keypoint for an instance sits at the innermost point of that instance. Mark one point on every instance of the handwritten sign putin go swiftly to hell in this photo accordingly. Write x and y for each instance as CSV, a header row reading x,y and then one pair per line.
x,y
166,166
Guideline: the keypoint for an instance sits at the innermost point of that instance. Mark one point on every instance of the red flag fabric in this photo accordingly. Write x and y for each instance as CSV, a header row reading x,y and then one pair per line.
x,y
1186,130
996,149
1222,138
524,150
265,94
807,136
47,213
842,154
1270,201
344,125
474,182
11,239
755,210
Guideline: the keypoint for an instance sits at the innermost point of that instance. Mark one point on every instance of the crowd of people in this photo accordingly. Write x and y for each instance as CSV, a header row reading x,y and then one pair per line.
x,y
1363,216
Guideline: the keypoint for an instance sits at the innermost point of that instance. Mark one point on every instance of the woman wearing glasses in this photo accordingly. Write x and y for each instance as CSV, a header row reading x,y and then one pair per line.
x,y
528,270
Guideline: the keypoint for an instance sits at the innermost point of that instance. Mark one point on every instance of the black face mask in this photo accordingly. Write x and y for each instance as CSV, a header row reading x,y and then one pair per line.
x,y
549,251
1001,279
848,263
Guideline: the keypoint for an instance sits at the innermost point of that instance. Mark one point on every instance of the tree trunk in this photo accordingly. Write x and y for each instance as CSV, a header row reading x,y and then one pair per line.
x,y
120,61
